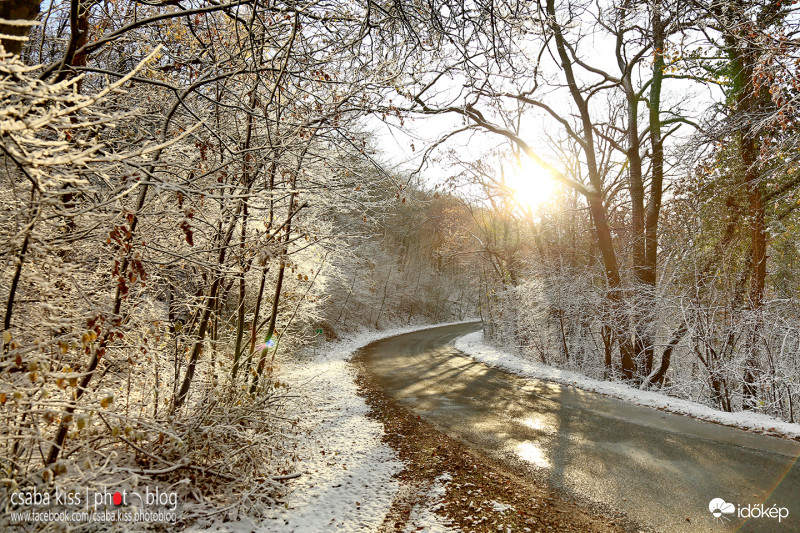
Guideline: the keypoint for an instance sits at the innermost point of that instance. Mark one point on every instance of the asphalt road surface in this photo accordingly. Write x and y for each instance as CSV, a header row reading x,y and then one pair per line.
x,y
660,469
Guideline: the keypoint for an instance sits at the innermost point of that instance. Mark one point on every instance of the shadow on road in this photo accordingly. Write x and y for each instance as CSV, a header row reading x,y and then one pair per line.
x,y
658,468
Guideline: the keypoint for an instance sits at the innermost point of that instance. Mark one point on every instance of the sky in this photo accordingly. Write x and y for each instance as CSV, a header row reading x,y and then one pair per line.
x,y
395,141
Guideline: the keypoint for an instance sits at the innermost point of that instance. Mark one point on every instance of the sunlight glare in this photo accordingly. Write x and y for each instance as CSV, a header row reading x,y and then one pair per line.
x,y
532,453
530,184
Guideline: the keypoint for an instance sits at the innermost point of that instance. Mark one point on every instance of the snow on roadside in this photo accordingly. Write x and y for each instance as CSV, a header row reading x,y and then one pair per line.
x,y
500,507
423,517
347,482
475,346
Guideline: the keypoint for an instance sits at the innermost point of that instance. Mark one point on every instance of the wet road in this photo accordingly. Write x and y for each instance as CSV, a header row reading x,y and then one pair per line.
x,y
662,470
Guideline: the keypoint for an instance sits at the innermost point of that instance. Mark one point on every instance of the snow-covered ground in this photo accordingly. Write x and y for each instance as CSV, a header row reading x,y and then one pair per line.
x,y
423,517
347,482
475,346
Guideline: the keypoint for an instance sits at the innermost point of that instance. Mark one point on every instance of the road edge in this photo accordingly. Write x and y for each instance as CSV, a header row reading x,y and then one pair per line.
x,y
427,453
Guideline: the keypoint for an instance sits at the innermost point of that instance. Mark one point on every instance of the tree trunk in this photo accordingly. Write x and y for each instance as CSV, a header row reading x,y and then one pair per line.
x,y
657,378
211,300
273,317
254,325
279,283
743,60
648,270
18,11
596,207
758,272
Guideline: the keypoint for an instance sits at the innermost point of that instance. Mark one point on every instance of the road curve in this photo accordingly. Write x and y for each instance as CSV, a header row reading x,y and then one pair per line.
x,y
660,469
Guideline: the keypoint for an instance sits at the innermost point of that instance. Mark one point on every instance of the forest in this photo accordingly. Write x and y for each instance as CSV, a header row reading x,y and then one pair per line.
x,y
193,190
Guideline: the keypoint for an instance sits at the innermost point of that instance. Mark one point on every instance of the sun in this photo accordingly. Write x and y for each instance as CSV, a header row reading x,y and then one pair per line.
x,y
530,184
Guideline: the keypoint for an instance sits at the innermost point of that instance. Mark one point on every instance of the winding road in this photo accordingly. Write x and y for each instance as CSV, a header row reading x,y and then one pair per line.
x,y
660,469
